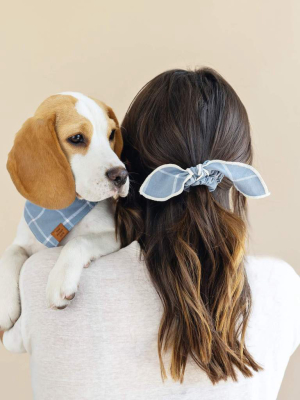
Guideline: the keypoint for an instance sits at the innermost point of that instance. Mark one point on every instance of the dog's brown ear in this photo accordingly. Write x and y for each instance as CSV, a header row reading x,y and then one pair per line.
x,y
39,168
118,135
118,143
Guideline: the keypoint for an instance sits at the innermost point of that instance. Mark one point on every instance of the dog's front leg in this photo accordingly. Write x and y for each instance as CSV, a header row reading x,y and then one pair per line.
x,y
77,254
10,266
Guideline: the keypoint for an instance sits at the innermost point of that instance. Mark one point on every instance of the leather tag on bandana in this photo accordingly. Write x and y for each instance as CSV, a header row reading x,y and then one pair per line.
x,y
60,232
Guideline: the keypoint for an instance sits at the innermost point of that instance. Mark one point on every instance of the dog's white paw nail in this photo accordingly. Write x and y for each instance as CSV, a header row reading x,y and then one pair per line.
x,y
70,297
61,307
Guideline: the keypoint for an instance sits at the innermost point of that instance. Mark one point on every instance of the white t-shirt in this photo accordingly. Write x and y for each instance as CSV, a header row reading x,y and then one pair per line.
x,y
104,345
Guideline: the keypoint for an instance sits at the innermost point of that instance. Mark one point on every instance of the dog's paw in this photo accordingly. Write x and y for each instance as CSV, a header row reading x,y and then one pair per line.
x,y
10,308
62,285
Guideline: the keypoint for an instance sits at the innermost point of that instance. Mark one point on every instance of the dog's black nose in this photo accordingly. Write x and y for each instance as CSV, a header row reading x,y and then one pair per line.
x,y
117,175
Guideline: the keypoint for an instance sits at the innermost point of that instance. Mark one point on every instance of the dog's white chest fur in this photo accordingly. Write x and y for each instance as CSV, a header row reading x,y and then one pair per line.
x,y
100,220
91,238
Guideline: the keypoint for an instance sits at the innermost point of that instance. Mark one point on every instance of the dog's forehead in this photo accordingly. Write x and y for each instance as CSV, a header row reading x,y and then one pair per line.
x,y
90,109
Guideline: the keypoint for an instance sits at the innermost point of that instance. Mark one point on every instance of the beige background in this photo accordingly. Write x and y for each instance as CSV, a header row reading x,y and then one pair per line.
x,y
110,49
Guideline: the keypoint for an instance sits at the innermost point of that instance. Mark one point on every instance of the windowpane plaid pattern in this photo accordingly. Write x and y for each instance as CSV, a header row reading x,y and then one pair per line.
x,y
169,180
42,221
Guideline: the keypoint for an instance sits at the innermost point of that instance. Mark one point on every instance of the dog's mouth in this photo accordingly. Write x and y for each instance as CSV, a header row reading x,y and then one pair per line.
x,y
114,193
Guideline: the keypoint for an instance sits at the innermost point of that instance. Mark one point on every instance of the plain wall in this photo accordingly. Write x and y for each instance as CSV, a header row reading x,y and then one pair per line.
x,y
109,50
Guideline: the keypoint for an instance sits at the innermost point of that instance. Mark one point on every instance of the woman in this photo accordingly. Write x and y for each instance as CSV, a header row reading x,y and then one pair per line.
x,y
193,317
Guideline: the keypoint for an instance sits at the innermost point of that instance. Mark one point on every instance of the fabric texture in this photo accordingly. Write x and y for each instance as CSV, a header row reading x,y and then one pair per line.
x,y
104,345
42,221
170,180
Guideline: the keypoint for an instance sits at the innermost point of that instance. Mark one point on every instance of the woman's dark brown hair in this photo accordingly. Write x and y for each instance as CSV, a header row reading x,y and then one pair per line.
x,y
193,244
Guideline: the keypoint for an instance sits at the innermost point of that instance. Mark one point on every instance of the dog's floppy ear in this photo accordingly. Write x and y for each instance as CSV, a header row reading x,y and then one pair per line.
x,y
118,143
39,168
118,135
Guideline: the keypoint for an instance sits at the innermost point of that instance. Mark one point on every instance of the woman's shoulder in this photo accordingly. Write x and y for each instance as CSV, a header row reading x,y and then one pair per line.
x,y
273,278
35,271
269,269
47,255
275,288
129,256
132,251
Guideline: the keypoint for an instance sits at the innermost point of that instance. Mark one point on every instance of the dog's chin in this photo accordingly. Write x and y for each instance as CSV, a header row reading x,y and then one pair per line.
x,y
106,192
112,193
123,191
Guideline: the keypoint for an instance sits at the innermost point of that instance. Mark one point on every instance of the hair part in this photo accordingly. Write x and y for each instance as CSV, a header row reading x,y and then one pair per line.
x,y
193,244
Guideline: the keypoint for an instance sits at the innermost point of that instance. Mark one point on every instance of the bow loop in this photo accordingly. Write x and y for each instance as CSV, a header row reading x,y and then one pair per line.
x,y
170,180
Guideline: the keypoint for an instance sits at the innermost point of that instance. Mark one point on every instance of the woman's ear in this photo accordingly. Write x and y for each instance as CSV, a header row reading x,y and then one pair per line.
x,y
39,168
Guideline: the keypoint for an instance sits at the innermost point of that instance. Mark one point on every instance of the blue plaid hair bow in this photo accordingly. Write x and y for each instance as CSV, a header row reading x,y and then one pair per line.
x,y
169,180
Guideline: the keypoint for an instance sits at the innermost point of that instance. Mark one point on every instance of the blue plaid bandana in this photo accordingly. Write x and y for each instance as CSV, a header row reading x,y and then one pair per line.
x,y
51,226
170,180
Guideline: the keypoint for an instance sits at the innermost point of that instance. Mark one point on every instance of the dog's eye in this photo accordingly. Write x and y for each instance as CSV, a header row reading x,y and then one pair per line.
x,y
112,135
76,139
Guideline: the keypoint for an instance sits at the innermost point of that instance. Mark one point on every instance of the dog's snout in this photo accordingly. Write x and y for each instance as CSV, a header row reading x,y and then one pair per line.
x,y
117,175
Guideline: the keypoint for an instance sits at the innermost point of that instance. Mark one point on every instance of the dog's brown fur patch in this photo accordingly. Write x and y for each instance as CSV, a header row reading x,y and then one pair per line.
x,y
68,122
39,168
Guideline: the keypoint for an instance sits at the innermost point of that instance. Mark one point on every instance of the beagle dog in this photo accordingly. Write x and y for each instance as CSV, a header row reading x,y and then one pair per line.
x,y
66,155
